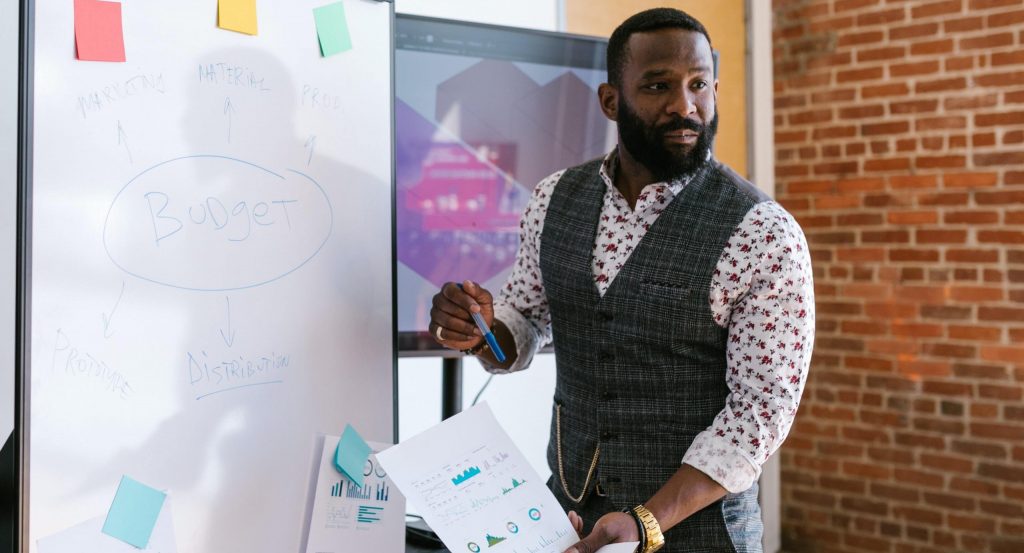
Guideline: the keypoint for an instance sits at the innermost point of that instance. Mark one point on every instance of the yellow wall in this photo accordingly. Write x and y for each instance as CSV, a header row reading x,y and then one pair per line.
x,y
725,21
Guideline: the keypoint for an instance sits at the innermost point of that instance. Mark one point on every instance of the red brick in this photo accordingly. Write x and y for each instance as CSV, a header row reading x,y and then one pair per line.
x,y
1001,237
976,293
1008,354
940,85
1014,18
940,236
916,30
1007,314
913,217
859,75
972,256
915,68
932,47
945,161
932,9
885,90
969,180
970,102
980,333
987,41
971,217
998,432
962,24
999,119
858,38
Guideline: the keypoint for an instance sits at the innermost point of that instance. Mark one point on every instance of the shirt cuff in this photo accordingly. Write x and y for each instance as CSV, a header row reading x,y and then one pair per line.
x,y
722,462
523,333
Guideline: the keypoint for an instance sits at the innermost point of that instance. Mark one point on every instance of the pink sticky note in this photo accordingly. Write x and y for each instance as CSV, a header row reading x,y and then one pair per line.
x,y
98,35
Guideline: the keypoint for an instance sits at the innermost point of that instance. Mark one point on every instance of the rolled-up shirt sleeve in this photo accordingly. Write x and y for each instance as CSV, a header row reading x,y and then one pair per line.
x,y
522,303
763,292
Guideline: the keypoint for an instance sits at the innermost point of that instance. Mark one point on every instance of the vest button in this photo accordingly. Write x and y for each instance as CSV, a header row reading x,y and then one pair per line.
x,y
605,315
607,396
607,436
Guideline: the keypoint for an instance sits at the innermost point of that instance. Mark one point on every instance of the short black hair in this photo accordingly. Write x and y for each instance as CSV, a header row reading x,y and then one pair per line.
x,y
649,20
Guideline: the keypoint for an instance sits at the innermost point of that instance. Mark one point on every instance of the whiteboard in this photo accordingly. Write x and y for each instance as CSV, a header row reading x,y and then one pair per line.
x,y
211,265
9,13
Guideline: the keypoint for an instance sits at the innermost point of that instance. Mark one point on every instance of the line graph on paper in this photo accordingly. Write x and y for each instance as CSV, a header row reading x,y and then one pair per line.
x,y
478,479
476,489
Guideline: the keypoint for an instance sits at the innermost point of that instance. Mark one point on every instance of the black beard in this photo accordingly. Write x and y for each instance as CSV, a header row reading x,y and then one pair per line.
x,y
647,144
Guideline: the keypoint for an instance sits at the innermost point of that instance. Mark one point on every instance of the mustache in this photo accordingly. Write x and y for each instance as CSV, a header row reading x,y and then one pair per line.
x,y
679,124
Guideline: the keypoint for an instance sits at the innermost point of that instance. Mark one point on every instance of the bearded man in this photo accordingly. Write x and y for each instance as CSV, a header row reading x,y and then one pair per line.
x,y
680,301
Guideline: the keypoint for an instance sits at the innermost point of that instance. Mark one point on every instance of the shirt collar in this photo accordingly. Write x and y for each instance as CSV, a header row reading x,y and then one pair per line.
x,y
611,164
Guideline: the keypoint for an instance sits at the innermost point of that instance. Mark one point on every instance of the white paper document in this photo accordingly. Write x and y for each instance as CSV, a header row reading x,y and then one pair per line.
x,y
628,547
476,490
88,537
347,517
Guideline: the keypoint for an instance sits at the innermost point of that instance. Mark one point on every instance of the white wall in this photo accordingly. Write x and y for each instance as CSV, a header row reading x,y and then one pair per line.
x,y
521,402
8,206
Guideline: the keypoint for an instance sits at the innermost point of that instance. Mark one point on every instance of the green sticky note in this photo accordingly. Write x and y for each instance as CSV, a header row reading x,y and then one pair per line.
x,y
332,29
133,513
351,455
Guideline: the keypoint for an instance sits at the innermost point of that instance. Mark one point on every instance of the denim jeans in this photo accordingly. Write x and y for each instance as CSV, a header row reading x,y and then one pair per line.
x,y
743,521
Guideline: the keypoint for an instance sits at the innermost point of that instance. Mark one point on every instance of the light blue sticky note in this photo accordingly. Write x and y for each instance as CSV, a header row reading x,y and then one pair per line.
x,y
332,29
351,455
133,513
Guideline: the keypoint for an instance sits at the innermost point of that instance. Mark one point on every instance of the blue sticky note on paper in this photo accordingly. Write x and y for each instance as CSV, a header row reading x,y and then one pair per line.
x,y
133,513
351,455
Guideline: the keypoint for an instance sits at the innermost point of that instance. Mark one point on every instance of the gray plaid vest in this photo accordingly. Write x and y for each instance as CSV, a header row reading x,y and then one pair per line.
x,y
642,369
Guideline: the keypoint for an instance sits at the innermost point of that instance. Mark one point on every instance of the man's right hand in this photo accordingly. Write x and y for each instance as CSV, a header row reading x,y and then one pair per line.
x,y
451,324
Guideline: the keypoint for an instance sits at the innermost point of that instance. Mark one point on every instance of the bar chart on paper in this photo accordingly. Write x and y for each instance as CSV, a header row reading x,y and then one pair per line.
x,y
476,490
349,517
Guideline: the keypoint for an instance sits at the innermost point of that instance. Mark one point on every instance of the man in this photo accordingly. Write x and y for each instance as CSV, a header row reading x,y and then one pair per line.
x,y
680,301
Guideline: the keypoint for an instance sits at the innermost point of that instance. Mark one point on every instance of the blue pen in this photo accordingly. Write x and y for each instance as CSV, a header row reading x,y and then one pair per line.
x,y
488,335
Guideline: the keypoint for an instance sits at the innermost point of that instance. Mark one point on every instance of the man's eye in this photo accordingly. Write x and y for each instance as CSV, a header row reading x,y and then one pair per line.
x,y
700,85
657,86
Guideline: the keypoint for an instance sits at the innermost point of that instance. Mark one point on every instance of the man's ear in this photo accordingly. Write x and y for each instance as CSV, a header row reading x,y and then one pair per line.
x,y
608,95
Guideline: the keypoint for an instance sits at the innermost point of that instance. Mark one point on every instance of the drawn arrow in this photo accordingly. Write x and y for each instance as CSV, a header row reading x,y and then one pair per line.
x,y
311,145
106,318
229,338
229,109
122,138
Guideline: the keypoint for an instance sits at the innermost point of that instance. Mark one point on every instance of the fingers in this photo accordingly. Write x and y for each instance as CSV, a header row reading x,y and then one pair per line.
x,y
450,321
589,544
453,318
479,294
577,523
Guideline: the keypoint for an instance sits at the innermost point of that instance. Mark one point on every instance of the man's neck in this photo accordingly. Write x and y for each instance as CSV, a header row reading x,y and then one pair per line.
x,y
631,177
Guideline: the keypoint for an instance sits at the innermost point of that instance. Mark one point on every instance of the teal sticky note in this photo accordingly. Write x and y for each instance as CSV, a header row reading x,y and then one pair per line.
x,y
133,513
332,29
351,455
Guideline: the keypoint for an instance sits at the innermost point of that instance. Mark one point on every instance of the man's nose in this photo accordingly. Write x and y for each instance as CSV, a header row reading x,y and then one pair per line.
x,y
684,103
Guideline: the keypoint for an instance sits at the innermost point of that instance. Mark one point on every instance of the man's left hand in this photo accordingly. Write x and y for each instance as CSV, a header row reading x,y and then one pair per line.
x,y
611,528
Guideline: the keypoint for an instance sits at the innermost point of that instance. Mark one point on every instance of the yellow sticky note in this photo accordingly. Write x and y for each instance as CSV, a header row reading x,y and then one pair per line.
x,y
237,15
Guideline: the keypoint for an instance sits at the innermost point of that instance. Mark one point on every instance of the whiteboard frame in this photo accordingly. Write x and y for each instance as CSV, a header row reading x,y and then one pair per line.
x,y
22,397
23,280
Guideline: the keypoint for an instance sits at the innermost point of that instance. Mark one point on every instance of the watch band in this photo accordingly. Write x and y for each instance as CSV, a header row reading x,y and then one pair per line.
x,y
653,538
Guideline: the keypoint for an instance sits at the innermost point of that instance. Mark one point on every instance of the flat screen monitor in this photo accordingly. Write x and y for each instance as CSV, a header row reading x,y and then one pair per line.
x,y
482,114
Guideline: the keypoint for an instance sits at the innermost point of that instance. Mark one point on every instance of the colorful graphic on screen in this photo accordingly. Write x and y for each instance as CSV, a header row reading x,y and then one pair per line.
x,y
474,135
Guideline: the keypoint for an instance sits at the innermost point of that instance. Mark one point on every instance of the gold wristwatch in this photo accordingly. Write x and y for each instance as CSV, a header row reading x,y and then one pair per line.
x,y
653,539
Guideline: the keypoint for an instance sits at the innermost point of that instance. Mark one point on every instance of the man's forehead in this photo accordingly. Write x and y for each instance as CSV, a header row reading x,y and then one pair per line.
x,y
665,47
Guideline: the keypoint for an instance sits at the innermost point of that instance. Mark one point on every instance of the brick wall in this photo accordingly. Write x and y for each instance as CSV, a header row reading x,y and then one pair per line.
x,y
900,149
